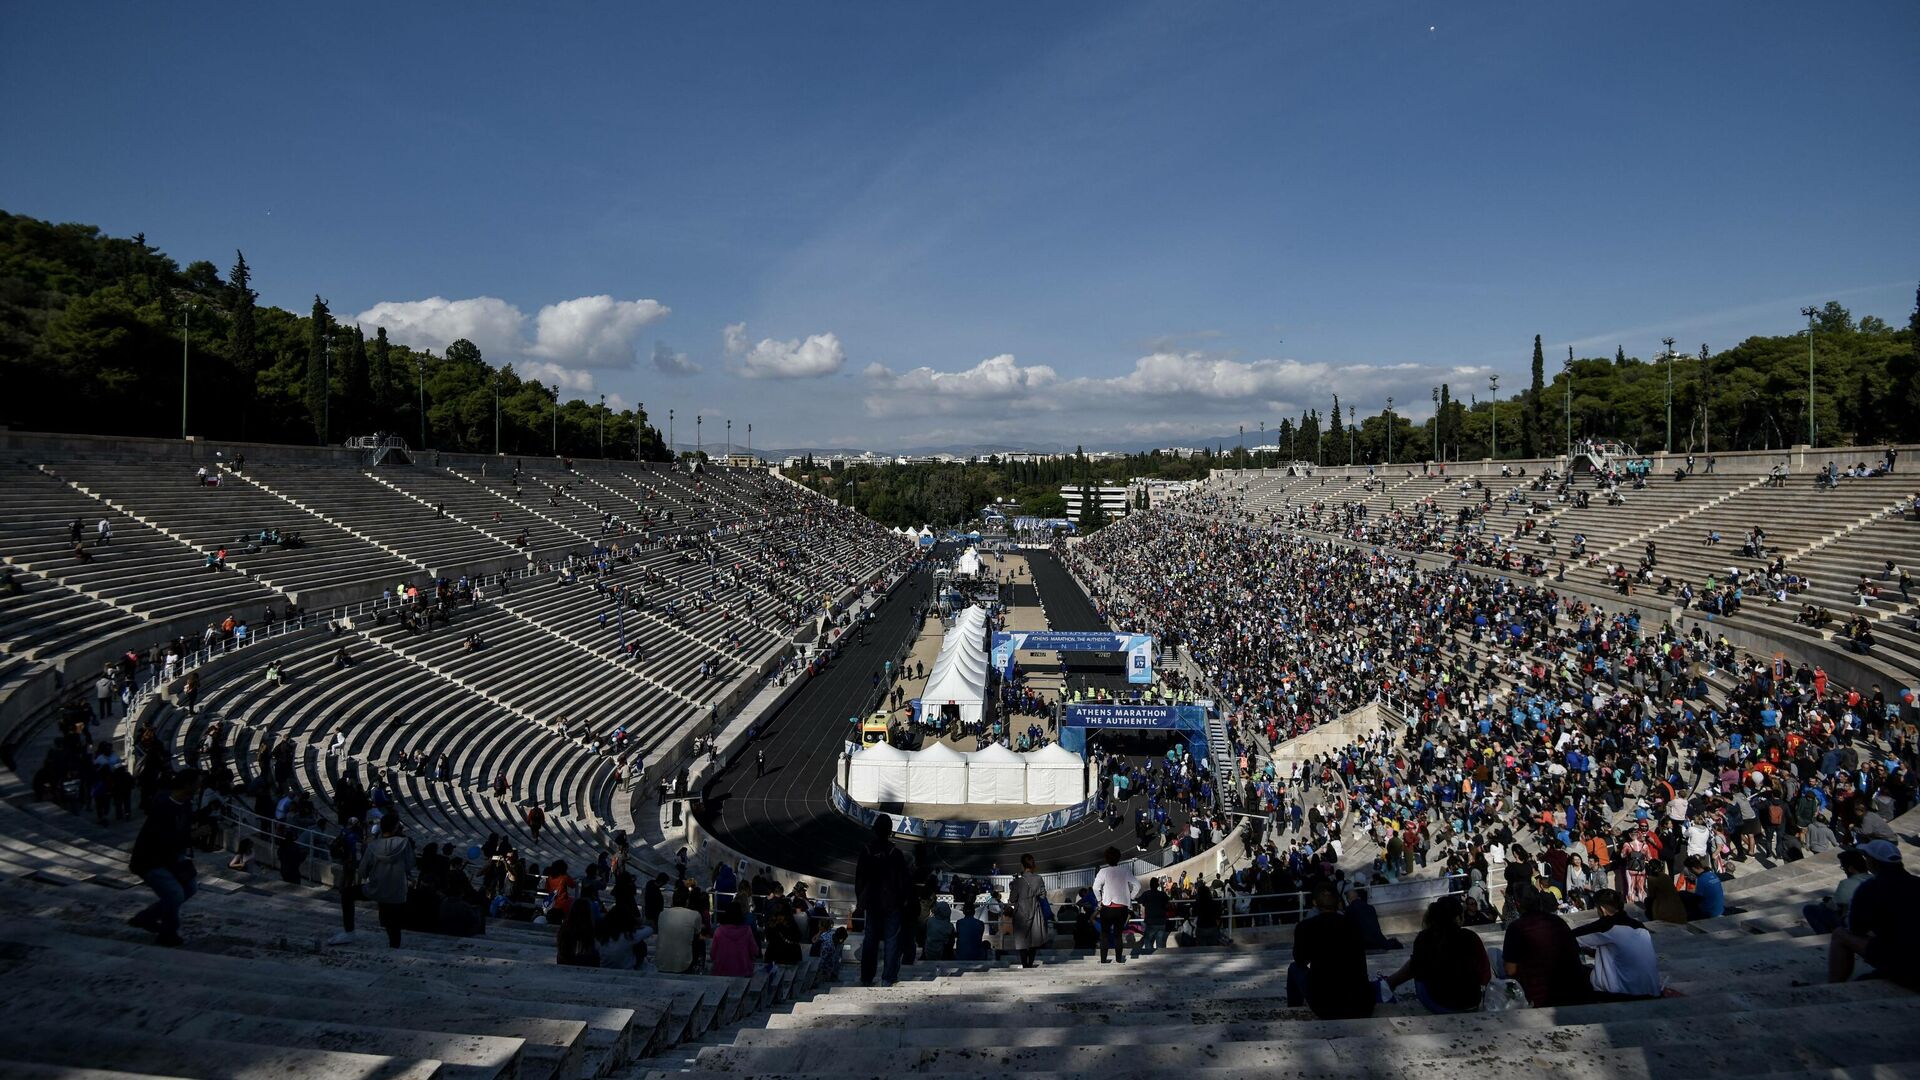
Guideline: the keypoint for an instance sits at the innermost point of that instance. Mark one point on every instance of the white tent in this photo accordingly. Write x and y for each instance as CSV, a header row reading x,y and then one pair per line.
x,y
1055,776
968,564
959,678
937,774
996,775
878,774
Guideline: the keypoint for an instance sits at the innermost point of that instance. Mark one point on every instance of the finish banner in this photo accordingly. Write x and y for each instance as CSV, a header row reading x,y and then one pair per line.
x,y
1138,647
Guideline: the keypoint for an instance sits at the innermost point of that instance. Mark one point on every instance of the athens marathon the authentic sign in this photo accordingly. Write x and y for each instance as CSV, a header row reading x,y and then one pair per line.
x,y
1135,716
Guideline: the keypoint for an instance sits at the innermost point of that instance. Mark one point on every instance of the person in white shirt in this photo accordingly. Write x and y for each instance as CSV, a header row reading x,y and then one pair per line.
x,y
1113,889
1624,965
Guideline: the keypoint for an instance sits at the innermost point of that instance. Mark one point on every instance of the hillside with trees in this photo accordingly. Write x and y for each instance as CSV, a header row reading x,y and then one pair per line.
x,y
91,333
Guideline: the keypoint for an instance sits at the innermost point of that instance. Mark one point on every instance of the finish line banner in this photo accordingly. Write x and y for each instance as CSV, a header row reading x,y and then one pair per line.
x,y
1138,647
1137,717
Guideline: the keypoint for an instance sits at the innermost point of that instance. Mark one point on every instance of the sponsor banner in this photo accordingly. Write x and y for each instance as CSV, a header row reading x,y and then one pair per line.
x,y
1139,649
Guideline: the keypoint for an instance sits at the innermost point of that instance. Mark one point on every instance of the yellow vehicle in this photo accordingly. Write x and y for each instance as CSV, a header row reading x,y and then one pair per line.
x,y
873,729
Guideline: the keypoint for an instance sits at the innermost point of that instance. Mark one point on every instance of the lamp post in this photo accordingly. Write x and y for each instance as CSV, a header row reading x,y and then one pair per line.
x,y
186,327
1243,445
556,421
1350,423
699,444
1668,355
639,407
1493,385
672,454
1436,423
1263,434
496,414
1569,399
603,426
729,438
750,439
326,388
1389,415
1810,312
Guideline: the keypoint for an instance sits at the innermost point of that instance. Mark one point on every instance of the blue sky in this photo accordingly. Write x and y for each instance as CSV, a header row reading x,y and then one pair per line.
x,y
906,224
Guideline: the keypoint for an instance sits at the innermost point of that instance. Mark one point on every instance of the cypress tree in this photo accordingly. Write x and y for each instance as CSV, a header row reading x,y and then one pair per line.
x,y
1338,434
380,374
319,330
1533,420
356,386
243,347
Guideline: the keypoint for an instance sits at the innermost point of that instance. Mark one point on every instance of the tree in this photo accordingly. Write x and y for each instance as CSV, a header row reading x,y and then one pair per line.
x,y
318,384
380,380
1337,435
1443,420
1619,356
1533,420
356,386
243,350
1834,319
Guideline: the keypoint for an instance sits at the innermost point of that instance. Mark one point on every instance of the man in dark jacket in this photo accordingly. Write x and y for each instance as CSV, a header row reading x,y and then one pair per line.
x,y
1329,969
163,858
882,884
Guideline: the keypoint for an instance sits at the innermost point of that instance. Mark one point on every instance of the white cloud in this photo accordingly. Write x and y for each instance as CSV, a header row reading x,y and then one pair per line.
x,y
668,362
593,331
436,322
816,356
565,378
562,345
924,391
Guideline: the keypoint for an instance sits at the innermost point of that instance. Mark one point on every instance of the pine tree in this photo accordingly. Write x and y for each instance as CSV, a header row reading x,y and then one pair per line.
x,y
318,385
1337,435
243,347
1533,422
1443,421
1619,356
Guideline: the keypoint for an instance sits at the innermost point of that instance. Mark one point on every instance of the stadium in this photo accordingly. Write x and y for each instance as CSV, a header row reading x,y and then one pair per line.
x,y
424,704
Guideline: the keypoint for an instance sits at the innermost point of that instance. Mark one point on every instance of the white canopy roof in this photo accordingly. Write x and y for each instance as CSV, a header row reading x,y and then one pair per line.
x,y
968,564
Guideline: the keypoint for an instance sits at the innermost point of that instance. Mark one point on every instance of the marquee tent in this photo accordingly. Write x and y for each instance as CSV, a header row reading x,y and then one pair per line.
x,y
878,774
1055,776
968,564
996,775
937,774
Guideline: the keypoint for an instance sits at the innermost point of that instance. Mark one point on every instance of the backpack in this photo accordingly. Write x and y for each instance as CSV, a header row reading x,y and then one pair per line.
x,y
1776,814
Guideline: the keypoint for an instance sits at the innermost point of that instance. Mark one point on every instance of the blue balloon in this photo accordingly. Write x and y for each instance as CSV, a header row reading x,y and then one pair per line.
x,y
473,852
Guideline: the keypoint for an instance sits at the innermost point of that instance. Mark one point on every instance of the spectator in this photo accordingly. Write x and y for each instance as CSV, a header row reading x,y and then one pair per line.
x,y
678,933
1329,969
1708,900
969,935
1831,913
882,885
734,949
1027,895
162,857
1113,889
940,932
576,944
1541,952
1881,922
386,872
1448,968
1624,965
